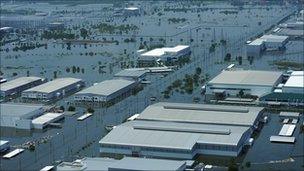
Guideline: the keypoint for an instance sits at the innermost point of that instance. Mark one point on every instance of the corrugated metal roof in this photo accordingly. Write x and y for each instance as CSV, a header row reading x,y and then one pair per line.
x,y
201,113
130,73
181,129
54,85
107,87
17,82
247,77
18,110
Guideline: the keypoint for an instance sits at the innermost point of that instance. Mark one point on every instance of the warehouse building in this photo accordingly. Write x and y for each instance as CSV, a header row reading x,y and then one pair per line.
x,y
242,83
131,74
53,89
126,163
18,85
166,55
24,21
20,116
107,91
183,131
289,93
266,42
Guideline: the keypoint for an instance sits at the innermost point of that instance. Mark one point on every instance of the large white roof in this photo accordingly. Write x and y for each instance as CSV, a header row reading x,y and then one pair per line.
x,y
295,80
164,50
107,87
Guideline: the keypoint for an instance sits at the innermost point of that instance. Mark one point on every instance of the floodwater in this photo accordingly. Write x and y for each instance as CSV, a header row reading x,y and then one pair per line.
x,y
78,139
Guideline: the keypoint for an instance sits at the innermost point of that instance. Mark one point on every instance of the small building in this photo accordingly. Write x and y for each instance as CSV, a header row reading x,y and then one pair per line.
x,y
166,55
18,85
275,42
126,163
131,11
183,131
245,83
131,74
42,121
107,91
53,89
56,26
20,116
266,42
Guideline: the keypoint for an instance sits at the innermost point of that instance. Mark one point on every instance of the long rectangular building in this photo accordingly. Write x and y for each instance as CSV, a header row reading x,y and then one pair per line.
x,y
18,85
182,131
107,91
233,83
53,89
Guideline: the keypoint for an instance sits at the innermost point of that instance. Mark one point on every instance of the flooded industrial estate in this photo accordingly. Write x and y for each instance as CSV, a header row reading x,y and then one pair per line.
x,y
131,85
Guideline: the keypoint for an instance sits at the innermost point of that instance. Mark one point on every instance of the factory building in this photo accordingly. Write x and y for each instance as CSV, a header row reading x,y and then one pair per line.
x,y
242,83
131,74
126,163
107,91
266,42
18,85
20,116
183,131
53,89
165,55
289,93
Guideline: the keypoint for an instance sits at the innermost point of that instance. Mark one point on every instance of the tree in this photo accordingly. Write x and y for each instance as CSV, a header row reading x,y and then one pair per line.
x,y
90,110
71,108
83,33
227,57
241,93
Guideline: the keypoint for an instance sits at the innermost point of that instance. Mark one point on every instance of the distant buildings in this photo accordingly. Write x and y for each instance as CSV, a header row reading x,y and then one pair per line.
x,y
127,163
24,21
18,85
266,42
53,89
245,83
183,131
166,55
107,91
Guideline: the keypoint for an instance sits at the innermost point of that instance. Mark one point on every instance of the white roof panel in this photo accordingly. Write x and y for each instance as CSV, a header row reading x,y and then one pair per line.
x,y
287,130
18,82
13,153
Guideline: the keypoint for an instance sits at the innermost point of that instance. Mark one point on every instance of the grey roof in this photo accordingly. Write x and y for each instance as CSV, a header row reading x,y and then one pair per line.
x,y
247,77
127,163
171,135
201,113
107,87
130,73
54,85
18,110
18,82
181,126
